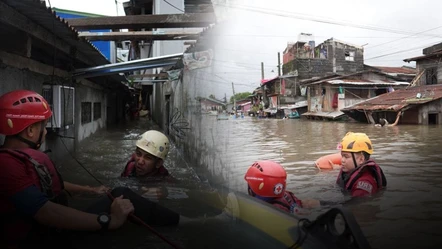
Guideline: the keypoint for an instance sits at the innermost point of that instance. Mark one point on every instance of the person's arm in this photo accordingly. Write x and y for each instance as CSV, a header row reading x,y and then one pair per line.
x,y
59,216
32,202
310,203
363,187
75,188
398,116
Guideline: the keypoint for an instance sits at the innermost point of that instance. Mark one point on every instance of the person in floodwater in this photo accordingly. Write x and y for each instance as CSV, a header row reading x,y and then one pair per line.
x,y
148,159
383,122
34,208
359,175
266,180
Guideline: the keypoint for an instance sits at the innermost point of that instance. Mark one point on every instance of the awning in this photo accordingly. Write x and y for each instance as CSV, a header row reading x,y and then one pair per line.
x,y
332,115
135,65
271,110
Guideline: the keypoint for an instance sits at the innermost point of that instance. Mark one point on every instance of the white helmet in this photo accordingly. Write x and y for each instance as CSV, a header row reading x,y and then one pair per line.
x,y
155,143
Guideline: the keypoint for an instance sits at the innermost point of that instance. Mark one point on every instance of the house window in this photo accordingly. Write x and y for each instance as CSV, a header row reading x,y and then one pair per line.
x,y
97,110
349,56
431,76
86,111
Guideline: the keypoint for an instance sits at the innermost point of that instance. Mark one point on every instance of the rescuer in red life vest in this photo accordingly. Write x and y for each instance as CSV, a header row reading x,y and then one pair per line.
x,y
148,159
33,209
266,180
359,175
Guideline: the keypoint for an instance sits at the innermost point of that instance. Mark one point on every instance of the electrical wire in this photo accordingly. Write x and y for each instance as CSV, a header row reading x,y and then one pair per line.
x,y
174,6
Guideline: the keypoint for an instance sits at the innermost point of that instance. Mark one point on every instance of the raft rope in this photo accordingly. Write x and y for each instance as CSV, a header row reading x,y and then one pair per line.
x,y
300,240
131,215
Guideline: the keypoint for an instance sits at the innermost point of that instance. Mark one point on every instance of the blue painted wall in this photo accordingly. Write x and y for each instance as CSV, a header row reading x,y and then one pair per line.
x,y
103,46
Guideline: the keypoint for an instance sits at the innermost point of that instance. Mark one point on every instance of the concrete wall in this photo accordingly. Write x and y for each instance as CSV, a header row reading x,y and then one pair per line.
x,y
92,95
334,63
64,140
433,107
341,65
168,47
13,79
425,64
178,113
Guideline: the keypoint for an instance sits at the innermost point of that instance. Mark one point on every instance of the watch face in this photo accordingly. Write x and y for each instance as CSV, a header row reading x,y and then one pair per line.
x,y
104,218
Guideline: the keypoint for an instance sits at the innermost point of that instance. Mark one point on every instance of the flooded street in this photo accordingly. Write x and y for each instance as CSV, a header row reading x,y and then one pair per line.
x,y
406,215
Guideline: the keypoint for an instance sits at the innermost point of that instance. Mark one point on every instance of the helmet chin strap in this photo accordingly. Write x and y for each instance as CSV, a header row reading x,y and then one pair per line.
x,y
354,159
31,144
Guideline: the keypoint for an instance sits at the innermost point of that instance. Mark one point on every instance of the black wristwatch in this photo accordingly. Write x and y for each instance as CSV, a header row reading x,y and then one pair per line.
x,y
104,220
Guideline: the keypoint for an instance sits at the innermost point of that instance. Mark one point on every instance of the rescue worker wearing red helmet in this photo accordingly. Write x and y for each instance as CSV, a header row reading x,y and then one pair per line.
x,y
359,175
266,180
31,187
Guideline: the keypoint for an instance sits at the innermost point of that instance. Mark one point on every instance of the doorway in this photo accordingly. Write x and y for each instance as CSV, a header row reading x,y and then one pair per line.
x,y
433,118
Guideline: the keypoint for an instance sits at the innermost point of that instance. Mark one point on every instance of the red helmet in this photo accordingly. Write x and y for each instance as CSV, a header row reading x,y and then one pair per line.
x,y
266,178
21,108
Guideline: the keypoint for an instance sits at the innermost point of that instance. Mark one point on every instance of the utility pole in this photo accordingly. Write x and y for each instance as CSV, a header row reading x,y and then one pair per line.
x,y
279,64
234,99
262,70
280,83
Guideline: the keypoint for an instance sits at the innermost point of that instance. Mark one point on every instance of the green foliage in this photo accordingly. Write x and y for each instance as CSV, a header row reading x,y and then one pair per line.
x,y
240,96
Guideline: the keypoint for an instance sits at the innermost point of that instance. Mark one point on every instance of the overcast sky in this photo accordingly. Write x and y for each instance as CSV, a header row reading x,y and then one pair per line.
x,y
389,30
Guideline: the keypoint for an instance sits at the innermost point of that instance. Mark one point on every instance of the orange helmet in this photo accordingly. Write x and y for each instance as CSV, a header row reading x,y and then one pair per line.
x,y
266,178
21,108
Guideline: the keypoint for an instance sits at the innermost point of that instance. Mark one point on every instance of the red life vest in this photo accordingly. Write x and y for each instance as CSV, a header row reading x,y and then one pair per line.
x,y
288,202
41,169
129,170
45,176
346,181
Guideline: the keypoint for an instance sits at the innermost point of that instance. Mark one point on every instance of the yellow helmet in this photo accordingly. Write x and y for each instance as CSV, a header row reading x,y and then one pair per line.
x,y
155,143
356,142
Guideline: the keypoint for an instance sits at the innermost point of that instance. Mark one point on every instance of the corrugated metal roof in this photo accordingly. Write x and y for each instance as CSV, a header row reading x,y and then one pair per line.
x,y
439,53
355,79
128,66
396,70
366,82
265,81
400,99
333,115
45,17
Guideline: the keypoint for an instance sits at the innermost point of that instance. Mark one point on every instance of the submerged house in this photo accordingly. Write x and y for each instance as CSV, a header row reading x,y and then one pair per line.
x,y
210,104
418,104
327,96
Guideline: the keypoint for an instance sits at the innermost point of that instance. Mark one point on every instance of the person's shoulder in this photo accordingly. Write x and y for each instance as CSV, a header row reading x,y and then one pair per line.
x,y
163,171
365,183
8,157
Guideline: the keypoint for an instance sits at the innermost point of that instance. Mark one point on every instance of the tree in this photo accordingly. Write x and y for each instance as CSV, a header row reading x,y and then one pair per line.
x,y
240,96
212,96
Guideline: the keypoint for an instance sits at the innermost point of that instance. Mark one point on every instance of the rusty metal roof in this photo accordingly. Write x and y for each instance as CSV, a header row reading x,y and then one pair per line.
x,y
396,70
45,17
400,99
363,82
435,54
356,79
